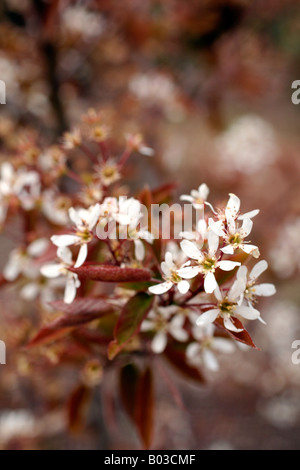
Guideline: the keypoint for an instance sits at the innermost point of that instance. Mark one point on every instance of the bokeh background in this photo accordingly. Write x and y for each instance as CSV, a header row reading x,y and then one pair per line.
x,y
208,84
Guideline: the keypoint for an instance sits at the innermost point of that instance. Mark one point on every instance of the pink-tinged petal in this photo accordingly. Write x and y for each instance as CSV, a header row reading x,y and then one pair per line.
x,y
51,270
249,313
161,288
183,287
230,326
188,272
191,250
159,342
228,250
65,240
208,317
251,250
216,227
258,269
70,290
213,242
249,215
210,283
227,265
264,290
82,254
209,360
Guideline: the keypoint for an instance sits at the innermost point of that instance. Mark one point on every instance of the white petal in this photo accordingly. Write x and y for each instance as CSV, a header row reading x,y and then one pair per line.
x,y
218,293
183,287
203,191
82,254
65,254
179,334
74,216
161,288
216,227
233,205
210,283
251,250
208,317
94,216
191,250
258,269
65,240
186,197
228,250
38,247
249,215
227,265
246,227
139,250
236,290
230,326
70,290
213,242
188,272
30,291
223,345
159,342
264,290
242,274
51,270
249,313
192,350
210,360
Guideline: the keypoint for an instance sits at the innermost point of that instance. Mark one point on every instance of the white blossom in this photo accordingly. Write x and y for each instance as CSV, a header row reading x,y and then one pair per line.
x,y
203,351
84,221
207,262
171,277
60,268
229,305
164,321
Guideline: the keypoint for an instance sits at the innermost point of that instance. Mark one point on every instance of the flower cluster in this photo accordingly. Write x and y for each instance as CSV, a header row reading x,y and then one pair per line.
x,y
90,252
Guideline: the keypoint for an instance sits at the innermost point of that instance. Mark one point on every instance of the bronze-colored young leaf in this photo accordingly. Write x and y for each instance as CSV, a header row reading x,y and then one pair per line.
x,y
76,407
144,407
109,273
243,337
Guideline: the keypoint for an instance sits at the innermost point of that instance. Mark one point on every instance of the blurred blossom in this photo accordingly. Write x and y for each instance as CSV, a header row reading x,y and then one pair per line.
x,y
247,146
285,252
155,88
80,21
281,411
16,423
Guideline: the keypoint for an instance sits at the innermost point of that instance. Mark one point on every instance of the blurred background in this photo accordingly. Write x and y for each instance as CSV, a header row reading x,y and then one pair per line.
x,y
208,84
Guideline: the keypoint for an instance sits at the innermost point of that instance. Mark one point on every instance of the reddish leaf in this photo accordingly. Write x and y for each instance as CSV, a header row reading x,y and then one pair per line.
x,y
137,395
144,407
164,193
176,356
129,377
47,335
76,407
81,311
108,273
242,337
129,321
